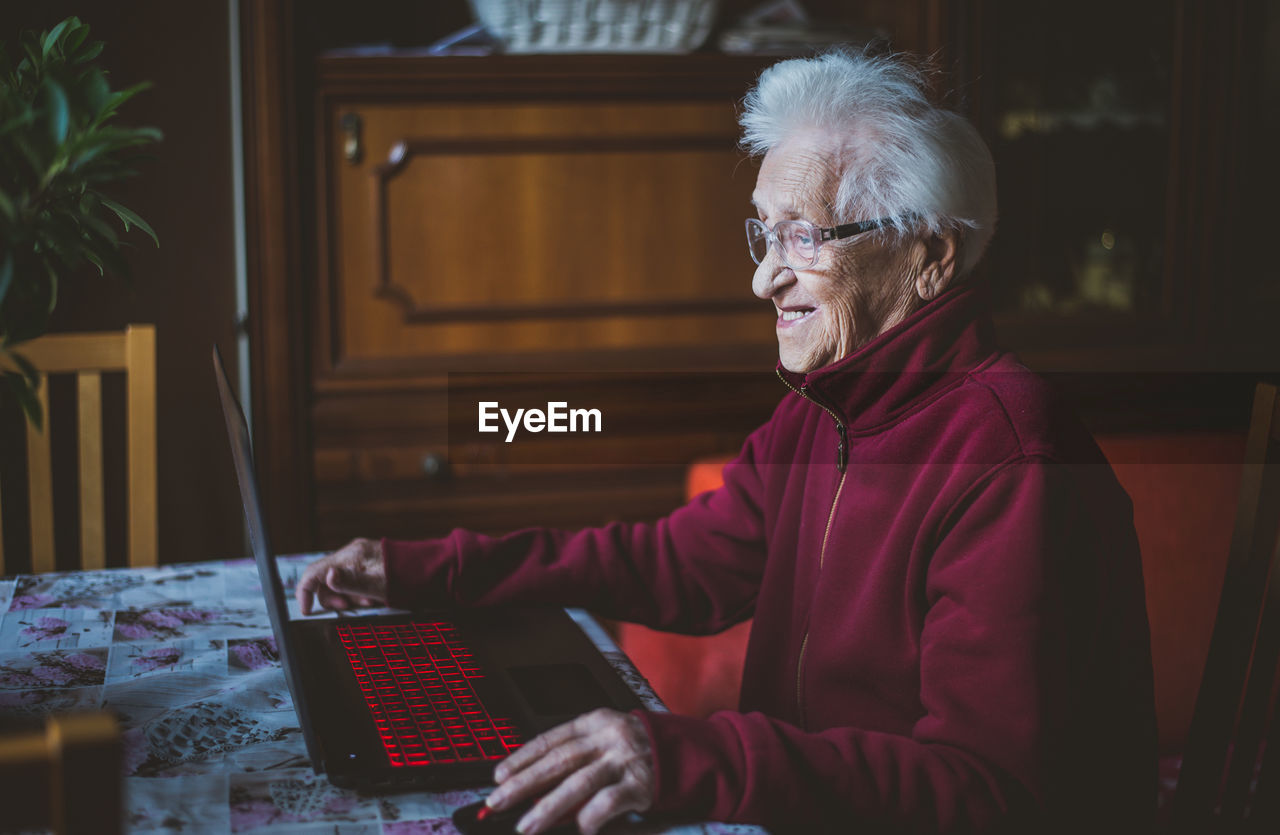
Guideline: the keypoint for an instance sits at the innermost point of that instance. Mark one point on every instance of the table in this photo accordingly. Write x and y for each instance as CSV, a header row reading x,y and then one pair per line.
x,y
184,655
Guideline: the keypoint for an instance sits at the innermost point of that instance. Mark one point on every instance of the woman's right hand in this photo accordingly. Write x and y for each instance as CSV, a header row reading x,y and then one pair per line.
x,y
354,575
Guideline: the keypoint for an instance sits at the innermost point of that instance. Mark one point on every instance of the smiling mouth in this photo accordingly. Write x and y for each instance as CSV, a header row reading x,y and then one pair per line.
x,y
794,315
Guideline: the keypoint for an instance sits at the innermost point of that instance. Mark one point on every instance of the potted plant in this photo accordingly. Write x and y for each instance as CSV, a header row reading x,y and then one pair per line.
x,y
59,150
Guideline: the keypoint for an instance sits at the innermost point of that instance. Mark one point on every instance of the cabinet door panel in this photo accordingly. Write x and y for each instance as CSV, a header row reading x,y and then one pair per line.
x,y
548,229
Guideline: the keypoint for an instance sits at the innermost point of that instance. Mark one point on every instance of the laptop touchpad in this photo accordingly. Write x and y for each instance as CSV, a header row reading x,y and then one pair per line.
x,y
559,689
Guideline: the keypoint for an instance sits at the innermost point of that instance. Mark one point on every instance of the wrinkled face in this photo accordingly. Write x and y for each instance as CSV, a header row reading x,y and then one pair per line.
x,y
858,288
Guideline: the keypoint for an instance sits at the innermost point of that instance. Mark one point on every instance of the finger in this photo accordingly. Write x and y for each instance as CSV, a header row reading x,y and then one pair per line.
x,y
341,580
566,798
364,601
308,584
315,575
609,803
332,600
537,748
542,774
352,582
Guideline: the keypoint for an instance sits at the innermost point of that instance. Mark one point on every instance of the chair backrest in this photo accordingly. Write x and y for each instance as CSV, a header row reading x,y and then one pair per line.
x,y
87,355
1229,735
66,777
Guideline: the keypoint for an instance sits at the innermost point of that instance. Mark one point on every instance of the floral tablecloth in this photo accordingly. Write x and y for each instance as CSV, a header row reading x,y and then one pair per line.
x,y
183,655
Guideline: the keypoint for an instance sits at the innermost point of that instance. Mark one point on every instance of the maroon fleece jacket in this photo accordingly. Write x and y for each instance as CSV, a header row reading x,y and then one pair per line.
x,y
950,627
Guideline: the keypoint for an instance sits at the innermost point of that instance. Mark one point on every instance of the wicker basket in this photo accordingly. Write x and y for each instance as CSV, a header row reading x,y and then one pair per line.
x,y
598,25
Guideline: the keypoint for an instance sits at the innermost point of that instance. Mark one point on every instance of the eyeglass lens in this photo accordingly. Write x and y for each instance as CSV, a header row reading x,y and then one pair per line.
x,y
796,237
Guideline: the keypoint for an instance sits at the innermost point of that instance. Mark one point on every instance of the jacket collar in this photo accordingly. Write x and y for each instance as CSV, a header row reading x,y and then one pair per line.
x,y
913,361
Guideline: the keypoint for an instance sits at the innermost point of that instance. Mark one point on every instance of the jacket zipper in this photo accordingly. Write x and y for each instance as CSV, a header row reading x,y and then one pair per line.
x,y
842,435
830,518
842,460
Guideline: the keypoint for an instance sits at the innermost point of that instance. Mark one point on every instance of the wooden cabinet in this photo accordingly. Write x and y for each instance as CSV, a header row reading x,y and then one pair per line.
x,y
509,229
427,232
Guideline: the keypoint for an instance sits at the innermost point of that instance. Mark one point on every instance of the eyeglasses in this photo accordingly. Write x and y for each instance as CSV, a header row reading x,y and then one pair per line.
x,y
799,240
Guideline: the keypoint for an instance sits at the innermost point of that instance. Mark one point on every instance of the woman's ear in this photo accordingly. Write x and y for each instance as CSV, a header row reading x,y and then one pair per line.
x,y
941,252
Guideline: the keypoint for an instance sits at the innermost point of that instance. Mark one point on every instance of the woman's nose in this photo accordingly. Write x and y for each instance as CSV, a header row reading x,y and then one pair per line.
x,y
771,275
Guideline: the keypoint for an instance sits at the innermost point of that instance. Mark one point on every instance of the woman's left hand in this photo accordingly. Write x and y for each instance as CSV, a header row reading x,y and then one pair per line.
x,y
597,765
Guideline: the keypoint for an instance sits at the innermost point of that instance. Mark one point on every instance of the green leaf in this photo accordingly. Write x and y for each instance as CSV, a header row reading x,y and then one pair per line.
x,y
78,32
128,216
25,365
90,52
55,168
26,395
105,256
90,202
111,174
102,167
96,261
6,275
86,156
128,137
121,96
6,207
21,120
100,228
115,138
59,235
51,39
58,116
33,54
96,92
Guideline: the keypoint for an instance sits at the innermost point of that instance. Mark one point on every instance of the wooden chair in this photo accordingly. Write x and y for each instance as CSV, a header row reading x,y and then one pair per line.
x,y
66,777
1229,742
87,355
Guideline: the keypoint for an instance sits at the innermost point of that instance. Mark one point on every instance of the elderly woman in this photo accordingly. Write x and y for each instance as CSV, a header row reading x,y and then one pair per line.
x,y
950,631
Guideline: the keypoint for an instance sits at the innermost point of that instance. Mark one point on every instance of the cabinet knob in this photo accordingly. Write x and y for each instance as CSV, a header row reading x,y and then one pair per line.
x,y
350,125
435,465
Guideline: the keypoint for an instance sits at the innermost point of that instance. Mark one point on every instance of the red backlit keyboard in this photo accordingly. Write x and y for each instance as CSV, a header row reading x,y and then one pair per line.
x,y
418,680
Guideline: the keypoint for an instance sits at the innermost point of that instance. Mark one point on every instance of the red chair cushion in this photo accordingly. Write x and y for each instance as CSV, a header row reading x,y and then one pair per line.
x,y
694,676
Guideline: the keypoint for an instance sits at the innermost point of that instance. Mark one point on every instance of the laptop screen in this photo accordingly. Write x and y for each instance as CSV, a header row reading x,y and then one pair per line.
x,y
268,575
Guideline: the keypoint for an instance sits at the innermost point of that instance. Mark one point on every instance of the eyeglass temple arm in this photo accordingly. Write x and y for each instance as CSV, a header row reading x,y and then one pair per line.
x,y
848,230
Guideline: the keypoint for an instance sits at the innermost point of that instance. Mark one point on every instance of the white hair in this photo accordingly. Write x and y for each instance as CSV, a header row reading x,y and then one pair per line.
x,y
911,161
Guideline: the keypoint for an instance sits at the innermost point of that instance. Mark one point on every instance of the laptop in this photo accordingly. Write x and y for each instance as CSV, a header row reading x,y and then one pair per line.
x,y
425,699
